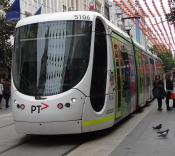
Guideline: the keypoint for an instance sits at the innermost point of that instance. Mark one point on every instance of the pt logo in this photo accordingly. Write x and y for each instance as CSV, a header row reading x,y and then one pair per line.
x,y
38,108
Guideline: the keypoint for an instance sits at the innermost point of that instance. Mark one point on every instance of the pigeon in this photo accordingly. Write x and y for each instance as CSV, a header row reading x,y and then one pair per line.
x,y
157,127
163,133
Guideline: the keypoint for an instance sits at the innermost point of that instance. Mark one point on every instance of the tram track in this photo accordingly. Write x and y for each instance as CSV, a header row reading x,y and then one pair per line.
x,y
6,120
60,145
12,144
11,148
6,125
8,138
35,144
10,141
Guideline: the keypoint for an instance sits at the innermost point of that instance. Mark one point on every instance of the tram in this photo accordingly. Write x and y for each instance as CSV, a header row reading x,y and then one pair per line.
x,y
75,72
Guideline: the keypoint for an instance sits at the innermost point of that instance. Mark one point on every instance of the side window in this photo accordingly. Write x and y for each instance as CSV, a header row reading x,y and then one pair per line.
x,y
147,72
125,65
152,67
99,71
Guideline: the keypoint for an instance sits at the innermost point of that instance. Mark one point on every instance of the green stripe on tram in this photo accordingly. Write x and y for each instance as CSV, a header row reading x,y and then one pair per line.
x,y
98,121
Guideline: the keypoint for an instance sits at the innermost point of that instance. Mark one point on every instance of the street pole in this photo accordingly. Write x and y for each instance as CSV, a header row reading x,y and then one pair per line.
x,y
123,22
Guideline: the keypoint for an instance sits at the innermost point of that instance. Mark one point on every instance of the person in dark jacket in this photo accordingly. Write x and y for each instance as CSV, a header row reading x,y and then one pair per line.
x,y
6,92
169,89
158,91
1,91
174,88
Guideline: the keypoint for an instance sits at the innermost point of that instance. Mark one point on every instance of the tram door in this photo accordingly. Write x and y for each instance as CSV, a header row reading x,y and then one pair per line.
x,y
117,72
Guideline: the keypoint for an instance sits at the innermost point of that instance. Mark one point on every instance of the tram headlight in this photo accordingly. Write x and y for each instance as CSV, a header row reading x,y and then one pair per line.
x,y
73,100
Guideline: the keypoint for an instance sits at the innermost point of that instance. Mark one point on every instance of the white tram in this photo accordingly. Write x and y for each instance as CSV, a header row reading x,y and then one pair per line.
x,y
75,72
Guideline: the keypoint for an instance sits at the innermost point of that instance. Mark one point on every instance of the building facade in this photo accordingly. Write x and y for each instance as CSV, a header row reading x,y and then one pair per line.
x,y
100,6
120,19
31,7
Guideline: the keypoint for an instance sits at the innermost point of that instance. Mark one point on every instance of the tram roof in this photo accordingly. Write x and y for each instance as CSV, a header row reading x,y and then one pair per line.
x,y
57,16
67,16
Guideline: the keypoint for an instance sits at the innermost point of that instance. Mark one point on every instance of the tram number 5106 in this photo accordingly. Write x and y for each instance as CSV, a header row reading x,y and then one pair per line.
x,y
82,17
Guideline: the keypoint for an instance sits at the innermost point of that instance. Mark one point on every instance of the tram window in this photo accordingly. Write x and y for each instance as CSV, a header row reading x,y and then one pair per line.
x,y
126,72
48,48
99,72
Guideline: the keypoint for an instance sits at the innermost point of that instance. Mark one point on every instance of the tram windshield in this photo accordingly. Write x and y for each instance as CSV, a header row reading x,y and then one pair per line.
x,y
51,57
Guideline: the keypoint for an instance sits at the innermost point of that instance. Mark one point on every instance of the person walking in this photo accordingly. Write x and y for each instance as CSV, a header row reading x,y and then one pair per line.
x,y
158,91
1,92
6,93
169,89
173,88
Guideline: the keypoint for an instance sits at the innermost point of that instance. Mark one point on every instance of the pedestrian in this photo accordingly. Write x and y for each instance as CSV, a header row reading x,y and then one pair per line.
x,y
173,88
1,92
158,91
6,92
169,89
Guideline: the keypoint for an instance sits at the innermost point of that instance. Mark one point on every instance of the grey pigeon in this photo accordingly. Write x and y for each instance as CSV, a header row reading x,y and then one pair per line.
x,y
157,127
163,133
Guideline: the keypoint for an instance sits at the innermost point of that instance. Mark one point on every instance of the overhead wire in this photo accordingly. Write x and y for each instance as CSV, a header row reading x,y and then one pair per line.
x,y
155,19
168,40
141,27
163,8
150,30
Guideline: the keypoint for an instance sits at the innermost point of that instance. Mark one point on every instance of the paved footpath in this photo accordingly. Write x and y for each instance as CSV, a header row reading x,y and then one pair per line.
x,y
4,110
144,141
